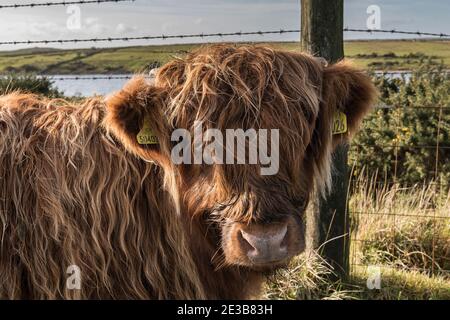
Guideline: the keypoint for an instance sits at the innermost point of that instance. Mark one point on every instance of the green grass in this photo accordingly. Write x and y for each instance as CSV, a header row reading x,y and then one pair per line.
x,y
32,62
438,50
400,285
89,61
138,59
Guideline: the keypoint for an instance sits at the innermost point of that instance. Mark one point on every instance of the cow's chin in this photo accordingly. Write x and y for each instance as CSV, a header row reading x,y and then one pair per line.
x,y
264,268
263,248
267,269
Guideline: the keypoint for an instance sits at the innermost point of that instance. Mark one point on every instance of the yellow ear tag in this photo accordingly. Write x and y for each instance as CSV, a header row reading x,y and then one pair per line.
x,y
146,135
339,123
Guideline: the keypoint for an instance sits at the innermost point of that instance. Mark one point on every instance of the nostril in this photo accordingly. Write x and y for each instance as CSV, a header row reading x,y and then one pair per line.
x,y
249,238
245,242
281,237
284,242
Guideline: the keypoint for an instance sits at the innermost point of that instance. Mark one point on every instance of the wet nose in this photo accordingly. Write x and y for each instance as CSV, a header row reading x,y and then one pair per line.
x,y
265,245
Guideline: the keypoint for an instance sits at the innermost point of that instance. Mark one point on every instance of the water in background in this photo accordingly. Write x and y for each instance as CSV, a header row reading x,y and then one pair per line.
x,y
85,86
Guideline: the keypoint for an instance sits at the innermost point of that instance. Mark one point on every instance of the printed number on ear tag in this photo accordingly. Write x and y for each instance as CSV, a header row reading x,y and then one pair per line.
x,y
339,123
146,135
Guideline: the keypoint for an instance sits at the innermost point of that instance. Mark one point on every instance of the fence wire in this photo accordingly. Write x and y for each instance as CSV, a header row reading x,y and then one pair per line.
x,y
60,3
403,225
208,35
394,31
155,37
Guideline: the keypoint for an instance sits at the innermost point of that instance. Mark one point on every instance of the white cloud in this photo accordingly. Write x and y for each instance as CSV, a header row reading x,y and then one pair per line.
x,y
93,27
123,28
42,28
91,21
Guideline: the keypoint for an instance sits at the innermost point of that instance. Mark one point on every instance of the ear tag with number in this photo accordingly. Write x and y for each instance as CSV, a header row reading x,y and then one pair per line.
x,y
146,135
339,123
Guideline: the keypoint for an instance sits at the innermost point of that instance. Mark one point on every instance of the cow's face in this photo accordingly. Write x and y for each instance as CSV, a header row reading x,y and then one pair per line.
x,y
284,104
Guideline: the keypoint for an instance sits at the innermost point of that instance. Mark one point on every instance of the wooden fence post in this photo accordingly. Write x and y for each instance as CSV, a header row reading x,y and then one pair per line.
x,y
322,23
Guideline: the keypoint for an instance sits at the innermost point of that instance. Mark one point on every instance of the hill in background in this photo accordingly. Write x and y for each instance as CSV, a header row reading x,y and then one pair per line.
x,y
375,54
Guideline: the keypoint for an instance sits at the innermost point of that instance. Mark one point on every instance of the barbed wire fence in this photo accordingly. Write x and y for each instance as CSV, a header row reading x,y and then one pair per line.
x,y
391,214
59,3
204,35
410,229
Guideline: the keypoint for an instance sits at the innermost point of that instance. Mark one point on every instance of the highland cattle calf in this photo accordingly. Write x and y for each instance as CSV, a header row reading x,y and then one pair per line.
x,y
94,186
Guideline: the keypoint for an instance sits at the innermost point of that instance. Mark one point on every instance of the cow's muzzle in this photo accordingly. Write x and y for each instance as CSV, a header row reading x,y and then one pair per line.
x,y
265,245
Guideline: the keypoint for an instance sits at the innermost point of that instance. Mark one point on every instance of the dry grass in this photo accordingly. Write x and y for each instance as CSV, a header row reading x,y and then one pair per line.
x,y
309,281
403,227
405,231
307,278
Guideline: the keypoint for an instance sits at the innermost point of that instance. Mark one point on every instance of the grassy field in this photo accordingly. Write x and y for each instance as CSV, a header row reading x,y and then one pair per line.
x,y
395,54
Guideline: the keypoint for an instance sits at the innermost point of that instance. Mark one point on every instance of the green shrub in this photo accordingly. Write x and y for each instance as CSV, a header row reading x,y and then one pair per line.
x,y
29,84
399,140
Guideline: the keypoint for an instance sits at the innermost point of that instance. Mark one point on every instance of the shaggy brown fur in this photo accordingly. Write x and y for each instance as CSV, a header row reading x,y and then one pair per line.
x,y
72,195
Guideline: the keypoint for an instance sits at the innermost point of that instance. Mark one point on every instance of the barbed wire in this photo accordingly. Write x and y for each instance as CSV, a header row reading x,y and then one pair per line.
x,y
158,37
394,31
403,267
82,77
20,53
127,76
408,72
391,107
201,35
398,146
60,3
390,213
408,185
69,78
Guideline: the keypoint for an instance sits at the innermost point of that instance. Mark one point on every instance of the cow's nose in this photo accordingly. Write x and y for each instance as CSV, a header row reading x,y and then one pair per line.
x,y
265,245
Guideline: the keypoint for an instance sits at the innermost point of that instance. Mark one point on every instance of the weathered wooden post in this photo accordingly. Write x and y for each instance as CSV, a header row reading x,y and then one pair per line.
x,y
322,23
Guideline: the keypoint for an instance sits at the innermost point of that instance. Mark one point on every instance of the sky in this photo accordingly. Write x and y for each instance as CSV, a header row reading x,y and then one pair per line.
x,y
156,17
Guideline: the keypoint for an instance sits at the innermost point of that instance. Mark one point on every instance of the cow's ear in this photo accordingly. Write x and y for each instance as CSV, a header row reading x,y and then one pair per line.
x,y
135,117
348,95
